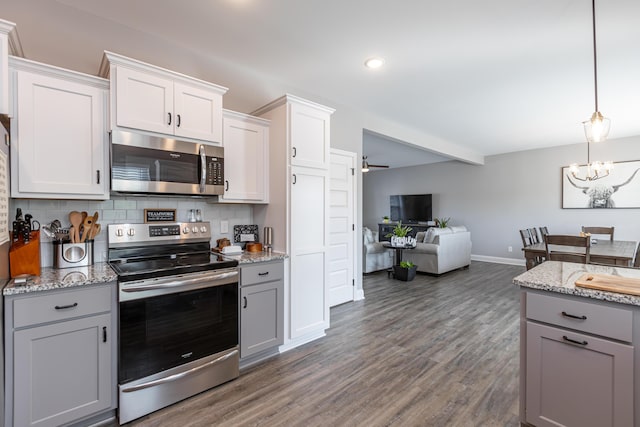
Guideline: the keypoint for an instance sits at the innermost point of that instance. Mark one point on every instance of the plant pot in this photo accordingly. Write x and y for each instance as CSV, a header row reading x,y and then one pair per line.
x,y
405,274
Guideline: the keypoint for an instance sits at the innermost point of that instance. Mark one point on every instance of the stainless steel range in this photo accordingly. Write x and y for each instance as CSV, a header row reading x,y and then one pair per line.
x,y
178,314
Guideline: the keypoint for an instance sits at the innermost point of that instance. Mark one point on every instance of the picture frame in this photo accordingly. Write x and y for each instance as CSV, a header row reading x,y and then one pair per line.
x,y
619,190
159,215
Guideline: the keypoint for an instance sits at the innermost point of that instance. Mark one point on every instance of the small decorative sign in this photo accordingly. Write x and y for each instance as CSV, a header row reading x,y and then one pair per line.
x,y
159,215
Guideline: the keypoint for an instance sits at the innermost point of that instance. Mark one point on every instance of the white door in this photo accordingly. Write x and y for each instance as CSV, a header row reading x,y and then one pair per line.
x,y
144,101
341,227
309,235
198,113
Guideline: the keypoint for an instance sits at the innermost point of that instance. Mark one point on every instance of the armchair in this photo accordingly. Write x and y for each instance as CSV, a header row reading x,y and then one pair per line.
x,y
375,256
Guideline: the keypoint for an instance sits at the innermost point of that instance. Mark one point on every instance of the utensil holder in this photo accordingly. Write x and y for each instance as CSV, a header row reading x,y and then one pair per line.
x,y
67,254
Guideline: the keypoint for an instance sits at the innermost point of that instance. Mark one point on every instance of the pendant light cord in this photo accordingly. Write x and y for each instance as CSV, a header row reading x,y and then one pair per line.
x,y
595,57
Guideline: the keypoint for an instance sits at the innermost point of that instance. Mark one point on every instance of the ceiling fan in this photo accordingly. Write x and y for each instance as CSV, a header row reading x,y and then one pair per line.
x,y
366,165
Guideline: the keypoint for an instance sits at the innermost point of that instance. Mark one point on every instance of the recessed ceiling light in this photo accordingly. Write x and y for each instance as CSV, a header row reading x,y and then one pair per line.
x,y
375,62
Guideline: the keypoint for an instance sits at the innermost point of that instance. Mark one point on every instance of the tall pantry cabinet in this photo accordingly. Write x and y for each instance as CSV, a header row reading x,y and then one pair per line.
x,y
298,210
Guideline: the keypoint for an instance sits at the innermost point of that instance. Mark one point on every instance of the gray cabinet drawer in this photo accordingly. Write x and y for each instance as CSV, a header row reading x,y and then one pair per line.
x,y
41,309
261,272
606,321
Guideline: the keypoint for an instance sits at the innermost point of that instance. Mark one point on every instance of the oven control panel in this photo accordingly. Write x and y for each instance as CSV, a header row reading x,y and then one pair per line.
x,y
178,232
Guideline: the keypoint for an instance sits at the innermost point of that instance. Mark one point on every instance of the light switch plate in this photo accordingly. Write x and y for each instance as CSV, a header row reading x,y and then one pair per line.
x,y
224,226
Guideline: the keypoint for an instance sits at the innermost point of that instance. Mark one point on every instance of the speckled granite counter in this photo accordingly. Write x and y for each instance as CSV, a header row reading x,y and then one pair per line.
x,y
560,277
253,257
53,278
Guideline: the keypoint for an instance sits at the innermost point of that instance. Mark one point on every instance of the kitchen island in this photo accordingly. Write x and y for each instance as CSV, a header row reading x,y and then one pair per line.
x,y
578,364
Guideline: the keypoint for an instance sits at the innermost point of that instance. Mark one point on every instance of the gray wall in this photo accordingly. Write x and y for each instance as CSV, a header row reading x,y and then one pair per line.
x,y
509,192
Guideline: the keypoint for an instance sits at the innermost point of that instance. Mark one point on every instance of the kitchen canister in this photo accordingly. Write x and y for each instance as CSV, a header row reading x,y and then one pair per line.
x,y
66,255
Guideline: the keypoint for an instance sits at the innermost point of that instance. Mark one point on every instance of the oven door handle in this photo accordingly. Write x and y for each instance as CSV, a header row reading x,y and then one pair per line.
x,y
178,283
176,377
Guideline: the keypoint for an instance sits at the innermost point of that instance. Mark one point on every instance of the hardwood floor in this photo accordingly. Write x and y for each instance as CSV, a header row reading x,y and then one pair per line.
x,y
437,351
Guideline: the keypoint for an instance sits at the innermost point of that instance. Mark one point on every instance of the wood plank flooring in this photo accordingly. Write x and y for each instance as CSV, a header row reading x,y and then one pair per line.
x,y
437,351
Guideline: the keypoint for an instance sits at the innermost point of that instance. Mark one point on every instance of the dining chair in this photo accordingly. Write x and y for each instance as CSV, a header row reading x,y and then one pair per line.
x,y
599,230
574,254
543,232
534,235
525,235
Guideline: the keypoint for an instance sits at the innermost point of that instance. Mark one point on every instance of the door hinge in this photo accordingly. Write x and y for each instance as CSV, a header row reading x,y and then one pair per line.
x,y
353,171
353,282
353,227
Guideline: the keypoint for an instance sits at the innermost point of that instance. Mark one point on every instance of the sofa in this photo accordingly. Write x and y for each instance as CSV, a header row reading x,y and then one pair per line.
x,y
440,250
375,256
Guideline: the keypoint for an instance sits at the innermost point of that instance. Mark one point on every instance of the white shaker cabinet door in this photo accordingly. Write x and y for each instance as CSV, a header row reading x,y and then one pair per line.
x,y
198,113
309,235
144,101
245,155
309,136
59,149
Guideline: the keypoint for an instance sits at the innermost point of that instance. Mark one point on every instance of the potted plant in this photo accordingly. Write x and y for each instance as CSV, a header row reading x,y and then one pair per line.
x,y
442,222
406,271
400,234
385,219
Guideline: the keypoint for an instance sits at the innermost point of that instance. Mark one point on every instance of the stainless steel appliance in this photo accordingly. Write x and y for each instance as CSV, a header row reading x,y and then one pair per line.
x,y
142,163
178,314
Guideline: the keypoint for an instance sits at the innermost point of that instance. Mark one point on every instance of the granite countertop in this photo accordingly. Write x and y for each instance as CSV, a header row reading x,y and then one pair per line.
x,y
560,277
253,257
60,278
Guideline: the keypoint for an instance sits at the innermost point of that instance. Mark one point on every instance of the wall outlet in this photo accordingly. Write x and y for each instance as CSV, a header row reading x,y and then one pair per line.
x,y
510,249
224,227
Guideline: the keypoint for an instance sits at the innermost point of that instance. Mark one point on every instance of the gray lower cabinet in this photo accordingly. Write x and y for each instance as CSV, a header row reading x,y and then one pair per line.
x,y
261,307
60,356
578,362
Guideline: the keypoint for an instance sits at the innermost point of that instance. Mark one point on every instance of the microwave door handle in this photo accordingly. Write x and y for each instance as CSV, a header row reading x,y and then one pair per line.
x,y
203,168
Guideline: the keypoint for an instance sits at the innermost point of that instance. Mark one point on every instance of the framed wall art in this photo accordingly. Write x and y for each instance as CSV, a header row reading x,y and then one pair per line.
x,y
620,189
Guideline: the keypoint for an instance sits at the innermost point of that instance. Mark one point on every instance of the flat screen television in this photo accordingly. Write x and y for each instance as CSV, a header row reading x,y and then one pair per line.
x,y
411,208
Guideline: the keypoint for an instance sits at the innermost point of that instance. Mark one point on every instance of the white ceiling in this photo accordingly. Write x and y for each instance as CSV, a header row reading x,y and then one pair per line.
x,y
492,76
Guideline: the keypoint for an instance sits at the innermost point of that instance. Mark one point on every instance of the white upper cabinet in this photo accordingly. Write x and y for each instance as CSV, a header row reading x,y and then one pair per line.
x,y
59,140
9,45
309,135
153,99
246,148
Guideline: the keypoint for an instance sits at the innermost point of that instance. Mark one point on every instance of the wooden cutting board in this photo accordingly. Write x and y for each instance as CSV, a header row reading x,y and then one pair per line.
x,y
606,282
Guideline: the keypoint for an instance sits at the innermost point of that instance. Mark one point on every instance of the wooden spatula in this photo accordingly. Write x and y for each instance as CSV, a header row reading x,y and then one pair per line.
x,y
75,218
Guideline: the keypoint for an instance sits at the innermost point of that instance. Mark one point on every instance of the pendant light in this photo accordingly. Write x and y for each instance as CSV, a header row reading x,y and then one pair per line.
x,y
596,129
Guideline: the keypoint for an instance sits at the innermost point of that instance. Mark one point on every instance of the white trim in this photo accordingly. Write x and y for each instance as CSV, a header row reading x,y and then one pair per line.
x,y
498,260
297,342
358,294
246,117
22,64
288,99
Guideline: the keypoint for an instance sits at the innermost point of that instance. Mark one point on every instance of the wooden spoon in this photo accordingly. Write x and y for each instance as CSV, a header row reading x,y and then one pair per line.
x,y
95,230
75,218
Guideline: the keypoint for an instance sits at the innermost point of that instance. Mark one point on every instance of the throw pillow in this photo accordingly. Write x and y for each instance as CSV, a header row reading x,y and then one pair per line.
x,y
430,235
420,236
458,228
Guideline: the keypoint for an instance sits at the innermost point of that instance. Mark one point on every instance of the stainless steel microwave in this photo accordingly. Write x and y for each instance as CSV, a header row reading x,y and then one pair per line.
x,y
142,163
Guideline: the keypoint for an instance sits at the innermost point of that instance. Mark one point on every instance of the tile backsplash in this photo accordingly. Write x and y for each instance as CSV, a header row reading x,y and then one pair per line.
x,y
122,209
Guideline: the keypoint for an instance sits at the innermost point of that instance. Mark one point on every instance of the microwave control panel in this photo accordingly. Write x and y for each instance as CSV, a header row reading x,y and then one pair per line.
x,y
215,171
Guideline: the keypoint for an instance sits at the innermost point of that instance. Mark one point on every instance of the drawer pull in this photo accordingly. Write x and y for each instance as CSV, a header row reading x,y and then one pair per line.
x,y
62,307
263,274
104,334
245,302
573,316
564,337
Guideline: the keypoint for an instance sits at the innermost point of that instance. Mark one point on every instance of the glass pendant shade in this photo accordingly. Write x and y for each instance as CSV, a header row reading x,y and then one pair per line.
x,y
596,129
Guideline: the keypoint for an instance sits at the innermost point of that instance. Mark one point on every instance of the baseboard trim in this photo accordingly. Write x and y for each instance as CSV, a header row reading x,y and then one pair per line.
x,y
498,260
358,294
289,345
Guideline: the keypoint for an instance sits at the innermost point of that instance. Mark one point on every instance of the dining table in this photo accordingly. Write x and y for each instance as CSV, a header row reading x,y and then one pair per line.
x,y
611,252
